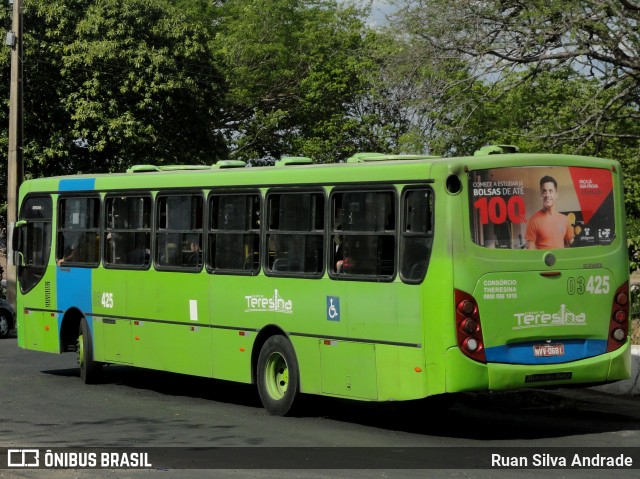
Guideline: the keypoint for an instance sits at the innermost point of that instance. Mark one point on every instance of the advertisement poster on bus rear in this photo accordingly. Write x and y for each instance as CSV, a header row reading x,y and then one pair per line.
x,y
541,207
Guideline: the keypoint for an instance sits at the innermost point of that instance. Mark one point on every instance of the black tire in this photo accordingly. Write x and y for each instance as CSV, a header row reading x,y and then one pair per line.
x,y
6,323
277,376
90,370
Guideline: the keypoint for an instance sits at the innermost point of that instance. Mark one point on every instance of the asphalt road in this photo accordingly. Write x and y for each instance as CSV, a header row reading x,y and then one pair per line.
x,y
43,404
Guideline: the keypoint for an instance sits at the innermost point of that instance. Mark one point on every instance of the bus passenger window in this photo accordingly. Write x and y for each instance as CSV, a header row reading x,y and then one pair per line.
x,y
78,232
295,234
363,234
234,233
417,234
179,232
127,232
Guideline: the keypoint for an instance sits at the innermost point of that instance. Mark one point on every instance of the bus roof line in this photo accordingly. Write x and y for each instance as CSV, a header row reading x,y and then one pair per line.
x,y
285,161
370,157
155,168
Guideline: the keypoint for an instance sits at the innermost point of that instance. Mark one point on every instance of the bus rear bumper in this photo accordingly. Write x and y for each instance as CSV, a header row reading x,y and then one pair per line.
x,y
464,374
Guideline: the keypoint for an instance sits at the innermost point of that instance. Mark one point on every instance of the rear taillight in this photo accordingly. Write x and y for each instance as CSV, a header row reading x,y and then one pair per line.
x,y
619,320
468,328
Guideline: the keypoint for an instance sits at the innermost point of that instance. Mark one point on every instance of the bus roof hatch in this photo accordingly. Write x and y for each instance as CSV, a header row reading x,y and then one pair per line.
x,y
496,150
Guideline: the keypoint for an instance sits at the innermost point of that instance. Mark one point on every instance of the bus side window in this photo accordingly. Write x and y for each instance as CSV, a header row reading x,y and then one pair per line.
x,y
78,231
234,233
127,232
179,231
364,234
417,234
295,233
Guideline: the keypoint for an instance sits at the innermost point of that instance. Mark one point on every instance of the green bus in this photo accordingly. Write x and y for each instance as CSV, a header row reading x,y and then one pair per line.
x,y
381,278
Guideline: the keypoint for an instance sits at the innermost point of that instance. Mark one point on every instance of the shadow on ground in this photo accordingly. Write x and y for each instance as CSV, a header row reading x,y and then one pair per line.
x,y
526,414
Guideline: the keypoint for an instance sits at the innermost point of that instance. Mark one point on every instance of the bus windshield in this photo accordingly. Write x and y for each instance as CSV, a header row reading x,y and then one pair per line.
x,y
546,207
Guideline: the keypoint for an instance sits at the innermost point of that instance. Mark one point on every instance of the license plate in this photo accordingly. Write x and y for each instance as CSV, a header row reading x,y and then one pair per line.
x,y
548,350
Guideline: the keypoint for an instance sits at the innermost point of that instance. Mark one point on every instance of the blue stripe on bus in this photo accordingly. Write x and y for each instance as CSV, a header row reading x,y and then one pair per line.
x,y
73,290
77,184
74,284
522,353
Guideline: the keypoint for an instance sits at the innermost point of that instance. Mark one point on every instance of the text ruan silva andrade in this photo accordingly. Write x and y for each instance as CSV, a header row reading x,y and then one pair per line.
x,y
570,460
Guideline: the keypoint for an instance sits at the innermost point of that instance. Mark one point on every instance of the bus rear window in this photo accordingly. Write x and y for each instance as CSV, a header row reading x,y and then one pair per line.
x,y
541,207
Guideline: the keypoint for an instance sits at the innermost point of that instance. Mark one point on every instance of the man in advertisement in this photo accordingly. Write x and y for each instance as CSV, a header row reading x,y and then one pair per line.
x,y
548,228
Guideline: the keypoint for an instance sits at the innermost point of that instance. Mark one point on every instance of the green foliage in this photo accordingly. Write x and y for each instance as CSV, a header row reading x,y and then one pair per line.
x,y
296,70
110,83
632,206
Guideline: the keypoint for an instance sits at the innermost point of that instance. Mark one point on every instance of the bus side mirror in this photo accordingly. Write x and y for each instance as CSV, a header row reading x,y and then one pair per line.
x,y
18,228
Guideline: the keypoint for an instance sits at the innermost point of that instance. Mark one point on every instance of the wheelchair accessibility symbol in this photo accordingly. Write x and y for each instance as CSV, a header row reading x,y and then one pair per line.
x,y
333,308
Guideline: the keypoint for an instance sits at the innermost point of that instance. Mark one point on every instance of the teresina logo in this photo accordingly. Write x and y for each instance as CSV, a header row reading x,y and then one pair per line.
x,y
260,303
564,317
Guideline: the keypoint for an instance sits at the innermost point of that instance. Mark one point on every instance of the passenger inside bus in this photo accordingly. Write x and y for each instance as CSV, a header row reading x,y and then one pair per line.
x,y
192,256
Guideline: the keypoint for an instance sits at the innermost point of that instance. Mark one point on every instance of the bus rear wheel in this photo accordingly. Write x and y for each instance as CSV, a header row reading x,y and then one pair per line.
x,y
89,369
277,375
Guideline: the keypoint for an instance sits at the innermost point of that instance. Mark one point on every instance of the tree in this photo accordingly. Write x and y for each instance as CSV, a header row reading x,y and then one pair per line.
x,y
110,83
297,74
598,39
536,112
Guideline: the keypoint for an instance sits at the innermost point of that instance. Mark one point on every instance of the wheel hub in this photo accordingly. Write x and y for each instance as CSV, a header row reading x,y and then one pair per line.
x,y
277,376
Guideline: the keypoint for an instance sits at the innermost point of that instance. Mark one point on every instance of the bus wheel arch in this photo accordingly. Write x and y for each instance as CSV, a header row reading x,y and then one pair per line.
x,y
276,371
263,335
69,330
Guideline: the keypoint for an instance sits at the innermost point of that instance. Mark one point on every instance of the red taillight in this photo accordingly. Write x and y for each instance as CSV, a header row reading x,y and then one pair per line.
x,y
622,298
468,328
619,320
467,307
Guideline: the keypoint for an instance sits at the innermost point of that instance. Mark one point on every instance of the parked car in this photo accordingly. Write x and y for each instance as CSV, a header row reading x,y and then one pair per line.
x,y
7,318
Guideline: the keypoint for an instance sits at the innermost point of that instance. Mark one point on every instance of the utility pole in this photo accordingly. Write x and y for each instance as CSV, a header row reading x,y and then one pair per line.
x,y
15,168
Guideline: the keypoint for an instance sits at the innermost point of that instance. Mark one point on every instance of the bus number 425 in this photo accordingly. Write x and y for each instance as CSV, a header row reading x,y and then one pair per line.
x,y
595,285
107,300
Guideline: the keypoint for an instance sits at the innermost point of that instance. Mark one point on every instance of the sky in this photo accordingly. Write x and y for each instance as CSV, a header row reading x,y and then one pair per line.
x,y
379,10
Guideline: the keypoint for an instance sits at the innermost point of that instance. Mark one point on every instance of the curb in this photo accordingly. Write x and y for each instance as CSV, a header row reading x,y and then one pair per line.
x,y
627,386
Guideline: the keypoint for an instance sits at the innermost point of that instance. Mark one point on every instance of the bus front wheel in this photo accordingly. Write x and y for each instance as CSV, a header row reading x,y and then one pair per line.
x,y
89,369
277,375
